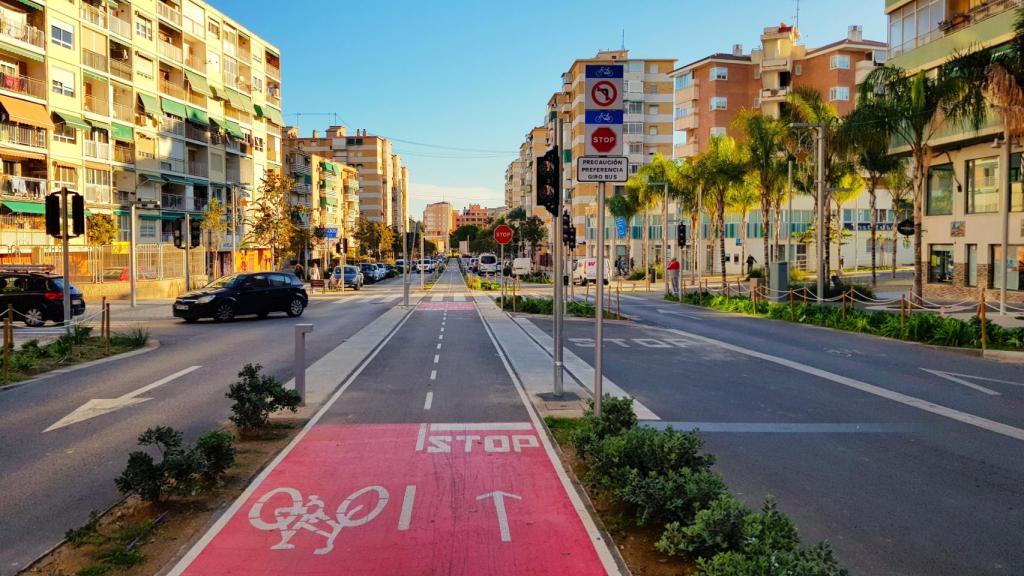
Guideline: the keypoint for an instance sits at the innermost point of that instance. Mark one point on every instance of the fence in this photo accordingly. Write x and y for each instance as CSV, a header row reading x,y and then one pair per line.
x,y
98,264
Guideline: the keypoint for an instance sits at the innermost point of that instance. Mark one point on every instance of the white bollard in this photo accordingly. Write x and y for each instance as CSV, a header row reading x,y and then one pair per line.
x,y
300,360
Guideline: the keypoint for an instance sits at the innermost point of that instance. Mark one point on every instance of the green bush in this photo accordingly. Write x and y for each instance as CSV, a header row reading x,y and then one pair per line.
x,y
645,451
180,470
137,338
674,496
617,416
257,397
472,282
756,273
636,275
715,529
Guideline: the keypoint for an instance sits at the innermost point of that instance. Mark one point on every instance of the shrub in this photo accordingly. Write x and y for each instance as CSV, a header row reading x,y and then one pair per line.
x,y
676,496
636,275
715,529
137,338
180,470
756,273
473,282
257,397
617,416
646,451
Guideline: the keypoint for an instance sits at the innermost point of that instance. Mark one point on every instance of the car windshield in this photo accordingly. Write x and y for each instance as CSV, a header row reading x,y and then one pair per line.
x,y
224,281
351,270
488,260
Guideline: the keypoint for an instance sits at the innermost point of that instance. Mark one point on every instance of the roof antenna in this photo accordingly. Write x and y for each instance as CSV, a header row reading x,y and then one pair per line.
x,y
797,17
623,38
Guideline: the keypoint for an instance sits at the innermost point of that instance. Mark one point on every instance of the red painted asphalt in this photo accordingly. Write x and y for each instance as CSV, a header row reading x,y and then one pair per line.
x,y
407,499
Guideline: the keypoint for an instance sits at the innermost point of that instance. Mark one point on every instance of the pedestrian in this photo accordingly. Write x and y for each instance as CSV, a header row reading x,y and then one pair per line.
x,y
314,271
632,263
750,263
298,270
673,270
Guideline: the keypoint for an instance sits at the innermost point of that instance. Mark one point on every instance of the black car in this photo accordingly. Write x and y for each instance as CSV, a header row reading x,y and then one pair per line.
x,y
369,272
37,297
258,293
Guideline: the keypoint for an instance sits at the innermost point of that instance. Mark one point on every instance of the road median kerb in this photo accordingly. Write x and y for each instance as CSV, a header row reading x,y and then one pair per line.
x,y
151,345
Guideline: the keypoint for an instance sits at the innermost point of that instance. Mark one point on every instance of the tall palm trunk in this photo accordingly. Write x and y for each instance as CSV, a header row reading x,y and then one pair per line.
x,y
664,241
895,243
778,225
922,158
694,241
644,246
721,234
766,210
743,235
872,203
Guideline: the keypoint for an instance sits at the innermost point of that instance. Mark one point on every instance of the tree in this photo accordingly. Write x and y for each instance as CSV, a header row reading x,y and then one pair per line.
x,y
214,224
741,199
271,219
850,188
721,169
623,206
464,232
373,238
658,180
764,140
102,230
912,108
901,192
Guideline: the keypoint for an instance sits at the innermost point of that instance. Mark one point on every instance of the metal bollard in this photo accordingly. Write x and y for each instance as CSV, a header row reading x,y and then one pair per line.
x,y
300,360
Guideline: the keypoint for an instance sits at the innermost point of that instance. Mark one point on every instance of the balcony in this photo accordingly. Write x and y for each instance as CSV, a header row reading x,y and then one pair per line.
x,y
28,34
688,150
93,15
197,133
774,94
691,92
172,89
22,188
685,122
98,194
11,133
272,71
771,64
169,13
59,185
120,27
124,112
197,99
196,63
95,60
97,150
274,99
124,154
97,105
172,125
198,169
170,51
126,198
173,165
172,201
23,85
121,69
200,203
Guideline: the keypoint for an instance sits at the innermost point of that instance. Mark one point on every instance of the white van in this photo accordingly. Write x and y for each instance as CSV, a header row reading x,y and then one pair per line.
x,y
488,263
585,271
522,266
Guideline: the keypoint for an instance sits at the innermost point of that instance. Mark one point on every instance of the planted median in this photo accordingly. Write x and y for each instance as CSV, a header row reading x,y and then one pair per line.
x,y
74,347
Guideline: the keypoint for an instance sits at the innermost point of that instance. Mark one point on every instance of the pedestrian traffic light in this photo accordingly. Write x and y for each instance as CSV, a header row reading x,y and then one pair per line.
x,y
53,215
549,179
195,233
681,235
77,214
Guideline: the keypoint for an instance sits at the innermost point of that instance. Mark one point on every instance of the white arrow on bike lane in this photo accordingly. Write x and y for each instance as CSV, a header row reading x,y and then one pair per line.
x,y
499,507
100,406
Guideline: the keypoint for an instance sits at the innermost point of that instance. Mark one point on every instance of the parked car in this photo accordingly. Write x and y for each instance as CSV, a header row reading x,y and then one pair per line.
x,y
382,271
258,293
522,266
585,271
369,272
488,264
425,265
37,297
391,271
353,277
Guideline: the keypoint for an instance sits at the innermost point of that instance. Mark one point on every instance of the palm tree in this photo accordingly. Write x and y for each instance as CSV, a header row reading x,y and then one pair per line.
x,y
900,191
741,199
874,160
623,206
662,181
764,140
912,108
850,188
721,167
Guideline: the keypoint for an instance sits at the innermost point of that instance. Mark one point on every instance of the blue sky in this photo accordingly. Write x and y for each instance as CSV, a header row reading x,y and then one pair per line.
x,y
475,75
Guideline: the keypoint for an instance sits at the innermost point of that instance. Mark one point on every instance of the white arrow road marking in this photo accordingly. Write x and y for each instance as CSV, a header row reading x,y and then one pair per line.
x,y
101,406
959,379
499,507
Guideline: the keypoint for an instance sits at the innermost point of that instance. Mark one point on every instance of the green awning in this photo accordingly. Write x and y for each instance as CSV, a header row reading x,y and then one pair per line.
x,y
161,216
307,179
198,83
25,207
197,116
259,111
234,129
328,167
273,115
173,108
99,125
152,178
331,200
72,120
176,179
95,76
123,212
240,101
150,104
32,4
21,52
111,3
122,132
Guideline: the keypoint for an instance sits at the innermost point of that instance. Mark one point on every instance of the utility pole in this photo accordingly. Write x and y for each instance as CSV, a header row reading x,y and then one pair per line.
x,y
187,243
65,238
407,266
821,214
133,267
558,247
234,229
599,306
1004,208
421,228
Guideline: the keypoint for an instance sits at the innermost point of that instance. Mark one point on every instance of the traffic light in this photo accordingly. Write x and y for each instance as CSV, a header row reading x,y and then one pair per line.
x,y
195,232
681,235
549,180
77,214
177,236
572,238
53,215
566,227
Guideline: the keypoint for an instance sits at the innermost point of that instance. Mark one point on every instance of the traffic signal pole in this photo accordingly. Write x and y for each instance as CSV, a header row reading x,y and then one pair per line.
x,y
187,243
65,238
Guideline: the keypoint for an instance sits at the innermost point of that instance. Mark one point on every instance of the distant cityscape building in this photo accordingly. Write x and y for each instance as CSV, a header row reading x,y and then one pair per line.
x,y
438,223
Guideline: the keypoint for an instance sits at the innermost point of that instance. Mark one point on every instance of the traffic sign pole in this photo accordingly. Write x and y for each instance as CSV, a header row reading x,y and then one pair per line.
x,y
65,238
599,304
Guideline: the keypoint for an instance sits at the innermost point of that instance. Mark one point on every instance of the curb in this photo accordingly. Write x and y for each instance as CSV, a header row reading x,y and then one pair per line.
x,y
153,344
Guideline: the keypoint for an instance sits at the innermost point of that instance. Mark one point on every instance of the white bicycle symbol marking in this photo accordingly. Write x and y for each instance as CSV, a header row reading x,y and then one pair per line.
x,y
603,72
603,117
288,520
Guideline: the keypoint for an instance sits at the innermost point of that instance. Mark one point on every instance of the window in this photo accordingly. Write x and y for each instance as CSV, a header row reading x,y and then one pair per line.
x,y
634,66
62,33
98,177
143,66
64,133
940,263
683,112
651,88
62,81
940,190
65,174
634,86
633,128
841,93
652,130
757,73
719,103
916,24
636,147
684,81
983,185
654,68
717,131
143,27
634,107
257,143
972,264
719,73
652,109
257,84
1012,266
798,69
147,229
634,168
213,27
839,62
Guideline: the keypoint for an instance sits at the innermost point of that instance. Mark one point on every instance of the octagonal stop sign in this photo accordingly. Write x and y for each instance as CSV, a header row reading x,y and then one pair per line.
x,y
603,139
502,234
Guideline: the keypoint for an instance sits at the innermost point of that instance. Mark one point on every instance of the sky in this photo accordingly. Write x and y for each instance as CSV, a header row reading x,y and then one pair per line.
x,y
457,84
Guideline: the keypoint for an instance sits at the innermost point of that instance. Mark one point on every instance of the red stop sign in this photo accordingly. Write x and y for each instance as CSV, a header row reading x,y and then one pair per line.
x,y
603,139
502,234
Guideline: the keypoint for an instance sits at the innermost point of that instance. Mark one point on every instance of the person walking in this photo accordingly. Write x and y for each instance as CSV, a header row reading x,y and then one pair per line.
x,y
299,271
314,271
673,270
750,263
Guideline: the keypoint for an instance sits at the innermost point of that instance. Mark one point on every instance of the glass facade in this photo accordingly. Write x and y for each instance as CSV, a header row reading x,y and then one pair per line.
x,y
940,263
983,185
1012,266
940,190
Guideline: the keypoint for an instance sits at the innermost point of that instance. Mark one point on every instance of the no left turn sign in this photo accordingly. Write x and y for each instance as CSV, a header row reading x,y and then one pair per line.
x,y
604,93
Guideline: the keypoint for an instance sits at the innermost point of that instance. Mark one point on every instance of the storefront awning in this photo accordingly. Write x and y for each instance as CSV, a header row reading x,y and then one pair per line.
x,y
173,108
197,116
72,120
150,104
26,112
122,132
25,207
198,83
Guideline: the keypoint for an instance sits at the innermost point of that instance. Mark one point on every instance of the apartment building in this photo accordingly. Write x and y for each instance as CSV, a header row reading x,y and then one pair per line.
x,y
710,92
475,215
966,197
169,102
438,224
383,181
327,193
514,184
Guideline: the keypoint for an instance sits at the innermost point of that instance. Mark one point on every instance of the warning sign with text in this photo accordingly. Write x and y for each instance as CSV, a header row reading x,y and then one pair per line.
x,y
602,169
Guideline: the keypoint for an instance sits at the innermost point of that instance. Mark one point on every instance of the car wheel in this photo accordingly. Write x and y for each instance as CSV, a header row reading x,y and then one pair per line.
x,y
34,317
225,312
295,308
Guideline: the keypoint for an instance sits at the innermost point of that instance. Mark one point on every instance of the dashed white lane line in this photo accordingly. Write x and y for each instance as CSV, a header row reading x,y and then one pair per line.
x,y
406,516
433,374
442,328
439,346
429,401
440,336
437,357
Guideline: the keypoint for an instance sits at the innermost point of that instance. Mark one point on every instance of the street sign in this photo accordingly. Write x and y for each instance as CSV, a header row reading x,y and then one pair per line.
x,y
603,140
602,168
330,232
620,226
906,227
603,114
503,234
604,87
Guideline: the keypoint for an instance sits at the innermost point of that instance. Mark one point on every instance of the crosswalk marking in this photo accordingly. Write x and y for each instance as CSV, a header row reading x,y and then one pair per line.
x,y
437,298
460,297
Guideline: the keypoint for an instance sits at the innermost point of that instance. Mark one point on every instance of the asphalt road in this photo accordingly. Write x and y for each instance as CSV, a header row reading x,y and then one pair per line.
x,y
904,470
53,479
